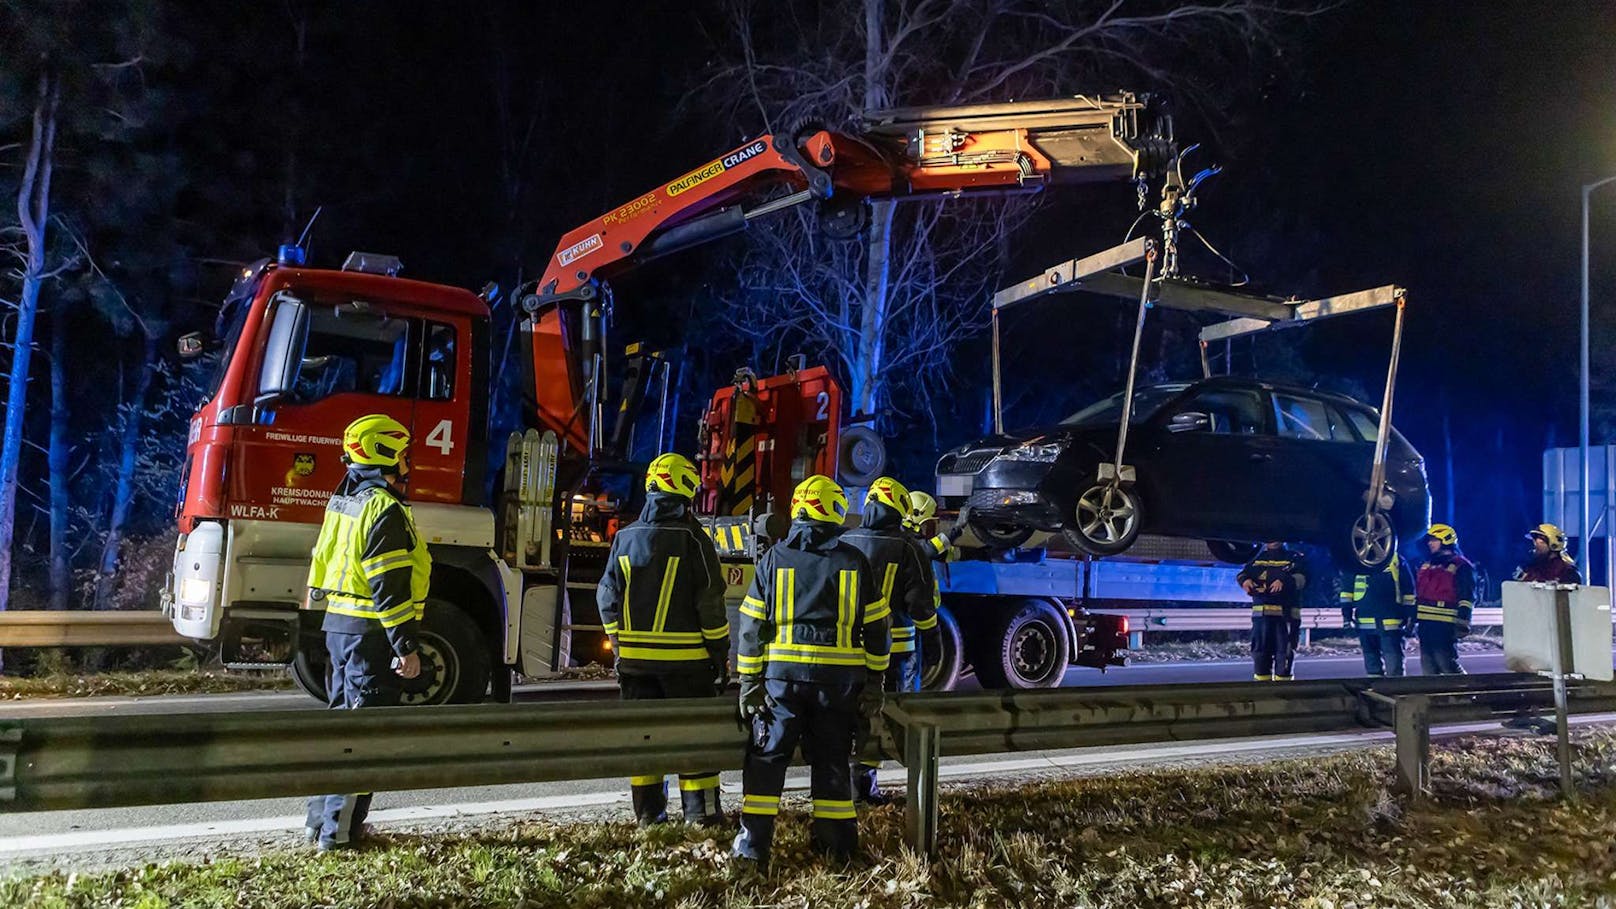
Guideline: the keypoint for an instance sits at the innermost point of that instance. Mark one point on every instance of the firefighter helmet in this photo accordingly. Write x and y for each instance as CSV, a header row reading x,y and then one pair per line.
x,y
1550,534
1443,534
818,498
922,508
891,493
375,440
672,473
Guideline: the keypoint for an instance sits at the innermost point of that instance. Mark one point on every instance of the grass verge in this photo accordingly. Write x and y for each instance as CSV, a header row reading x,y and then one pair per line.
x,y
1316,834
144,682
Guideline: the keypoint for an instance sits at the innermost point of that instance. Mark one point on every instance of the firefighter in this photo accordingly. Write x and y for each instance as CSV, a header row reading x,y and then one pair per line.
x,y
910,592
1380,605
1274,580
1549,563
1444,591
370,569
923,508
812,648
662,602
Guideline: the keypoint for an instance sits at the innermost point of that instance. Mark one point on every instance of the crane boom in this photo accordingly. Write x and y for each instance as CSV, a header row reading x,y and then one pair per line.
x,y
910,153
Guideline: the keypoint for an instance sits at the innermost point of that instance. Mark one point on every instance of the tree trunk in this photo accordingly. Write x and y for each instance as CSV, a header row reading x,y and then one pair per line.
x,y
33,211
128,462
61,578
868,362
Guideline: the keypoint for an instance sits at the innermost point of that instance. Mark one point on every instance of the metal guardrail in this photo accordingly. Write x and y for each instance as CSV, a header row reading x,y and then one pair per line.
x,y
1193,618
52,628
53,763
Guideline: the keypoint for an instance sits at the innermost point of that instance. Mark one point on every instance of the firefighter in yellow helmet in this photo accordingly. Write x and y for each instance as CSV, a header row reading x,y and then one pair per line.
x,y
1548,563
662,602
909,590
1444,593
812,647
370,574
940,545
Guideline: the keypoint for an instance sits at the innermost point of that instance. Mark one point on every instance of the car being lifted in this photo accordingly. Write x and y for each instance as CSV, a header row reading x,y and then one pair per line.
x,y
1224,459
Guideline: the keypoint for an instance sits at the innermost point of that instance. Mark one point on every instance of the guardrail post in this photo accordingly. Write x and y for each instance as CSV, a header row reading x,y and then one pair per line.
x,y
921,744
1136,640
1412,716
1306,639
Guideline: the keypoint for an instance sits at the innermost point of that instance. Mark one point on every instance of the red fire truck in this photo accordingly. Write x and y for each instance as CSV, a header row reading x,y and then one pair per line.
x,y
303,351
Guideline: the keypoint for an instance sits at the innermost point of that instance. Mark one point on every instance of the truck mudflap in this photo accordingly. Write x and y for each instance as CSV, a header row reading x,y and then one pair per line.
x,y
1103,640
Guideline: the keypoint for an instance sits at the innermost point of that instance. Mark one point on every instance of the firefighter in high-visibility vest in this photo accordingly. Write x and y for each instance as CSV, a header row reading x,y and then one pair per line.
x,y
812,643
1549,563
1379,605
1274,580
910,591
370,572
940,545
1444,594
662,602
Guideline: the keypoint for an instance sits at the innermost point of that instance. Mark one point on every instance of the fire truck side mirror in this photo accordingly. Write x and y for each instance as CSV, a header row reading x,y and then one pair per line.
x,y
283,352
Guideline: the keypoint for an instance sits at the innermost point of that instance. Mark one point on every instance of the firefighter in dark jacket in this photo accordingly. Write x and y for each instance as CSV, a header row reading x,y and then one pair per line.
x,y
811,648
909,590
1274,581
662,602
370,572
1549,563
1380,605
1444,593
940,545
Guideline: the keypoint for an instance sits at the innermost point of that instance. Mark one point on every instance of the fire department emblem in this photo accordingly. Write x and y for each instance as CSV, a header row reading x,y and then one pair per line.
x,y
303,464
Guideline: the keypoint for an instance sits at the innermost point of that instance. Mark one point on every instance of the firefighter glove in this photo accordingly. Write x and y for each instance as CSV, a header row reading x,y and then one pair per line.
x,y
754,699
931,641
720,667
874,695
961,521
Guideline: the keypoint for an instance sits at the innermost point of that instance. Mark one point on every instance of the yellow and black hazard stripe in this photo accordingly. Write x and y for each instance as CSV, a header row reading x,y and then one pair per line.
x,y
738,474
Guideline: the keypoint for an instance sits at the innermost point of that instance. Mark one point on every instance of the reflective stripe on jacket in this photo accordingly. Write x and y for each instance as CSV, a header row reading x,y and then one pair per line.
x,y
1381,601
1287,566
908,586
813,613
1445,589
370,568
662,593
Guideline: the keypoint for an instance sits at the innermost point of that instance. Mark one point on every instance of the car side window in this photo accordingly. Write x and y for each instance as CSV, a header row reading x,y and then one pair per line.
x,y
1309,418
350,351
1233,411
1368,427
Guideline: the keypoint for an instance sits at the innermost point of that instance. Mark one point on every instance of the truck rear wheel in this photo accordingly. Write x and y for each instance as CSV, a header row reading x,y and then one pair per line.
x,y
454,661
940,671
1026,646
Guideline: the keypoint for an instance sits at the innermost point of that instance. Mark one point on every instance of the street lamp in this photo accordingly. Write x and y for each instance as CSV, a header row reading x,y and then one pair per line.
x,y
1585,528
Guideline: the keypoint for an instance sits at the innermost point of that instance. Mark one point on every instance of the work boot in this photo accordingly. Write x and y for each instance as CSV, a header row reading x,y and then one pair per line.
x,y
865,789
650,801
746,850
701,806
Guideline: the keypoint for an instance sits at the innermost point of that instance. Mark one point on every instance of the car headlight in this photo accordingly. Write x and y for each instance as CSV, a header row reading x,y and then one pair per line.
x,y
1042,454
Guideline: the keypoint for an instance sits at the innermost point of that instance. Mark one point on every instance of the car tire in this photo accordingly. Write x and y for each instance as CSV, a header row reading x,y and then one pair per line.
x,y
1233,553
1000,536
1026,646
1106,519
862,455
1371,541
941,671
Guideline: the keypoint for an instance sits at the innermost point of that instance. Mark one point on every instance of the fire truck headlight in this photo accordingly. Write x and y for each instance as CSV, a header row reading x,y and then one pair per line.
x,y
194,591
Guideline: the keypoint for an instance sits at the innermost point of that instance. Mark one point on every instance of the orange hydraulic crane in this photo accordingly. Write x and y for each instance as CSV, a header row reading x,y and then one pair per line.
x,y
910,153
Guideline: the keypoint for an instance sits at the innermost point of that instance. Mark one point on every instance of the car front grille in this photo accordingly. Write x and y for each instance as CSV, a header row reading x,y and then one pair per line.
x,y
970,462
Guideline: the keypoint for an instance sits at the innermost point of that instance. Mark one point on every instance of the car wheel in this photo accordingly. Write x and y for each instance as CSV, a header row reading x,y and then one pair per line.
x,y
1233,553
454,659
940,671
862,456
1027,647
1000,535
1106,519
1373,542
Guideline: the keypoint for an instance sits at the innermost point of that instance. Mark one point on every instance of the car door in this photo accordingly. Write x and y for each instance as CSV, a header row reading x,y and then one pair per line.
x,y
1319,462
1209,478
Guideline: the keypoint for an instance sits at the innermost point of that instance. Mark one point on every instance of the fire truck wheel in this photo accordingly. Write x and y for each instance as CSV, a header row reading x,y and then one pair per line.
x,y
310,668
863,455
1026,646
941,671
454,658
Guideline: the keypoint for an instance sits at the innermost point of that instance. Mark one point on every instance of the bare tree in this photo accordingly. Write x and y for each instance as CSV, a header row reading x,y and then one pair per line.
x,y
33,214
893,306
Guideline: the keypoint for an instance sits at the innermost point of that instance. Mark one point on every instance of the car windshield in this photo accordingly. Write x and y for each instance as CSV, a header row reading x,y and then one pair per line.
x,y
1146,401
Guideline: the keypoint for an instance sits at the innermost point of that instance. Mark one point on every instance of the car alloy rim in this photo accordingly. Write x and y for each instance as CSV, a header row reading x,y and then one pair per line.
x,y
1371,537
1105,514
435,671
1031,650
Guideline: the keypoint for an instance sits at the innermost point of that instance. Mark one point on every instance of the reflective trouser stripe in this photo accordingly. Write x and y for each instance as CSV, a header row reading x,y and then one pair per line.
x,y
698,783
835,809
645,780
760,804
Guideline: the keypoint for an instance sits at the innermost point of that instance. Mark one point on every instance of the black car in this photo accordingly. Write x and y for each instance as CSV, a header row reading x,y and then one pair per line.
x,y
1229,460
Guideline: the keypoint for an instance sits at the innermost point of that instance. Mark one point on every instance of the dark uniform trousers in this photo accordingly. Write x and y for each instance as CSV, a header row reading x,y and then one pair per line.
x,y
822,716
361,675
1273,645
698,792
902,677
1439,648
1382,648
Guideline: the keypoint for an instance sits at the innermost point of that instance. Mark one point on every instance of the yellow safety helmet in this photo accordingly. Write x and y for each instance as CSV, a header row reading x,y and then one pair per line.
x,y
672,473
818,498
1443,534
922,508
375,440
891,493
1554,536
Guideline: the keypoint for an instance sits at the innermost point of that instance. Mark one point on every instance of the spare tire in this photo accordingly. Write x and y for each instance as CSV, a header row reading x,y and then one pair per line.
x,y
861,455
